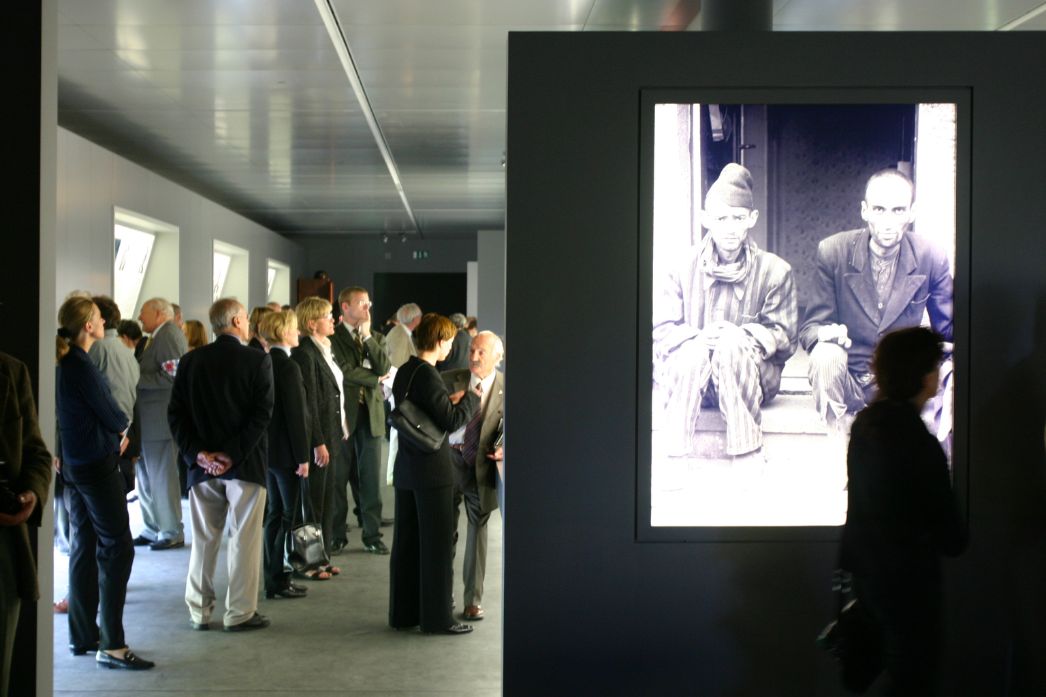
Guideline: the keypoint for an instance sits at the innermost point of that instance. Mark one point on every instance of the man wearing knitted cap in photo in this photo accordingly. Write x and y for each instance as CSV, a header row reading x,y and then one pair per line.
x,y
724,324
870,282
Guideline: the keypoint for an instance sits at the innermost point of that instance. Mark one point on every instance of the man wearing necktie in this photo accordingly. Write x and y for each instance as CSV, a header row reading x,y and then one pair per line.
x,y
363,358
478,453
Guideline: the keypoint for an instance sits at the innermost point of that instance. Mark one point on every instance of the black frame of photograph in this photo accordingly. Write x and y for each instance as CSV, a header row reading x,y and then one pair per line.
x,y
815,96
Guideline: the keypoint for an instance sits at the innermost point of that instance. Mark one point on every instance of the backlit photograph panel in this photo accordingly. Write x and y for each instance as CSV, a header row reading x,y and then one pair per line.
x,y
786,239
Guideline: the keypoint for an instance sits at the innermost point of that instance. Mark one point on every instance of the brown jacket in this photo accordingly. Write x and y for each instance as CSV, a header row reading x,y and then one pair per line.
x,y
27,468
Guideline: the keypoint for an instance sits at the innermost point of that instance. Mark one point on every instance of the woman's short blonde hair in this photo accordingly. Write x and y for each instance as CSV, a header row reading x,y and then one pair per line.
x,y
274,326
311,309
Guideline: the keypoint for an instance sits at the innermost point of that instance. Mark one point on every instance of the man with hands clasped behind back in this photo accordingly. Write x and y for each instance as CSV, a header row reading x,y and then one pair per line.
x,y
220,410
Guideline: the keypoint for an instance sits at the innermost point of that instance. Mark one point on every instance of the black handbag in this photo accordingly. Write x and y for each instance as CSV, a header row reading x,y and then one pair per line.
x,y
853,638
305,550
414,425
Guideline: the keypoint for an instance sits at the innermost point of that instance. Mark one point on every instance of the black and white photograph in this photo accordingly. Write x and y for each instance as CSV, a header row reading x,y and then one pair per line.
x,y
787,239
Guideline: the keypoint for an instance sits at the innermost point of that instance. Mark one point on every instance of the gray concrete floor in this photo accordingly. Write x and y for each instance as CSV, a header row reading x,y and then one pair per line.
x,y
334,642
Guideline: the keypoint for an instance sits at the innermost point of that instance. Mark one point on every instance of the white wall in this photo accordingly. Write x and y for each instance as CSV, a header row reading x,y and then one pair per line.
x,y
91,180
490,245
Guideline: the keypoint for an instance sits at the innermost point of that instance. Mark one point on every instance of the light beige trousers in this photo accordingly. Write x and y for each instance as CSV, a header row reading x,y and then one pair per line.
x,y
210,503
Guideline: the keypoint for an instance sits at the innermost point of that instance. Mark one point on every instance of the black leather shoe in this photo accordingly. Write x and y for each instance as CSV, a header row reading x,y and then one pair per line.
x,y
141,541
166,544
288,592
128,662
200,626
296,587
338,546
255,622
376,547
83,650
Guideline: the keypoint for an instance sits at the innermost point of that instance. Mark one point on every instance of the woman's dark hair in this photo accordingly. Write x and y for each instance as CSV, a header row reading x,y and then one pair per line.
x,y
130,329
432,330
903,358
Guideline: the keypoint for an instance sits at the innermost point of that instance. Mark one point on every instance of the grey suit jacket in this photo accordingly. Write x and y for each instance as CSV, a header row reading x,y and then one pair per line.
x,y
155,382
495,410
120,369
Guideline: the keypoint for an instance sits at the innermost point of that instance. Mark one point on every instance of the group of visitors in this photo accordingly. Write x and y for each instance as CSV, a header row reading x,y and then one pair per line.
x,y
271,424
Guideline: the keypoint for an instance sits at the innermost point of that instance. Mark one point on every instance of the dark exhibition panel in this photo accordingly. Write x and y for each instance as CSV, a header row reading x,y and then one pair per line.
x,y
20,259
591,610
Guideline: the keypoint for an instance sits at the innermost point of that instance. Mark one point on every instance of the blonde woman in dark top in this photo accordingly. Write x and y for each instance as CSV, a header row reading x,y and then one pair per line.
x,y
93,434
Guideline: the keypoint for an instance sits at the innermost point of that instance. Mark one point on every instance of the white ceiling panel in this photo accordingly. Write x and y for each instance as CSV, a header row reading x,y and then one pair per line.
x,y
463,13
886,15
246,101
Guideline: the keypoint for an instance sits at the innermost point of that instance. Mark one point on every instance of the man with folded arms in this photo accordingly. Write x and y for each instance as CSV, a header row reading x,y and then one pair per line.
x,y
220,410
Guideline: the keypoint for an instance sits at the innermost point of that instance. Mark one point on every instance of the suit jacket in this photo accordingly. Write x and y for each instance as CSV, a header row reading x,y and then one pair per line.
x,y
415,469
400,345
222,401
27,468
493,413
155,383
322,396
458,358
844,293
350,359
289,429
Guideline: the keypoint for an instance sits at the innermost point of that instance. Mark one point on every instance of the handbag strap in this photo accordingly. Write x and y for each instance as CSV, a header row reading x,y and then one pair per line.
x,y
406,393
306,500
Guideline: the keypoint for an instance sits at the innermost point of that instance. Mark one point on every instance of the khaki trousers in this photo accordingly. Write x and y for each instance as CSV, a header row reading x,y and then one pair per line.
x,y
210,503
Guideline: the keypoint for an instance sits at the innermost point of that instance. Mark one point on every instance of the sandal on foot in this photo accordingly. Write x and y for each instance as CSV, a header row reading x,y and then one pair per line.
x,y
314,575
330,569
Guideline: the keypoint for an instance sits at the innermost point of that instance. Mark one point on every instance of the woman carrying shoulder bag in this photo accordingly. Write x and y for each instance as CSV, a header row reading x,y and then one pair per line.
x,y
93,430
422,545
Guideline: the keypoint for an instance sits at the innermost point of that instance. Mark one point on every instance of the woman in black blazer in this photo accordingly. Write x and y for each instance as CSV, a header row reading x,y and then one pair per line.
x,y
93,428
423,538
325,404
288,451
901,514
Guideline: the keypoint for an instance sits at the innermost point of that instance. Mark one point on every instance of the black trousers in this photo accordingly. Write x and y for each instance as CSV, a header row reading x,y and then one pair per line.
x,y
909,617
420,571
101,553
284,499
321,495
364,469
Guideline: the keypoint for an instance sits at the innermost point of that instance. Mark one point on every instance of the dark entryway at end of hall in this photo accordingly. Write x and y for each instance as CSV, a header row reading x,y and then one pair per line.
x,y
444,293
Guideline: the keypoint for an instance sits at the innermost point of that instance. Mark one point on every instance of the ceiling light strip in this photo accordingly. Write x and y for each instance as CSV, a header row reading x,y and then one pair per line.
x,y
341,47
1026,17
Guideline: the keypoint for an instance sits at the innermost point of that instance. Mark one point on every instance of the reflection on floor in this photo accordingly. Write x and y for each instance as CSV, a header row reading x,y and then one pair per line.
x,y
334,642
